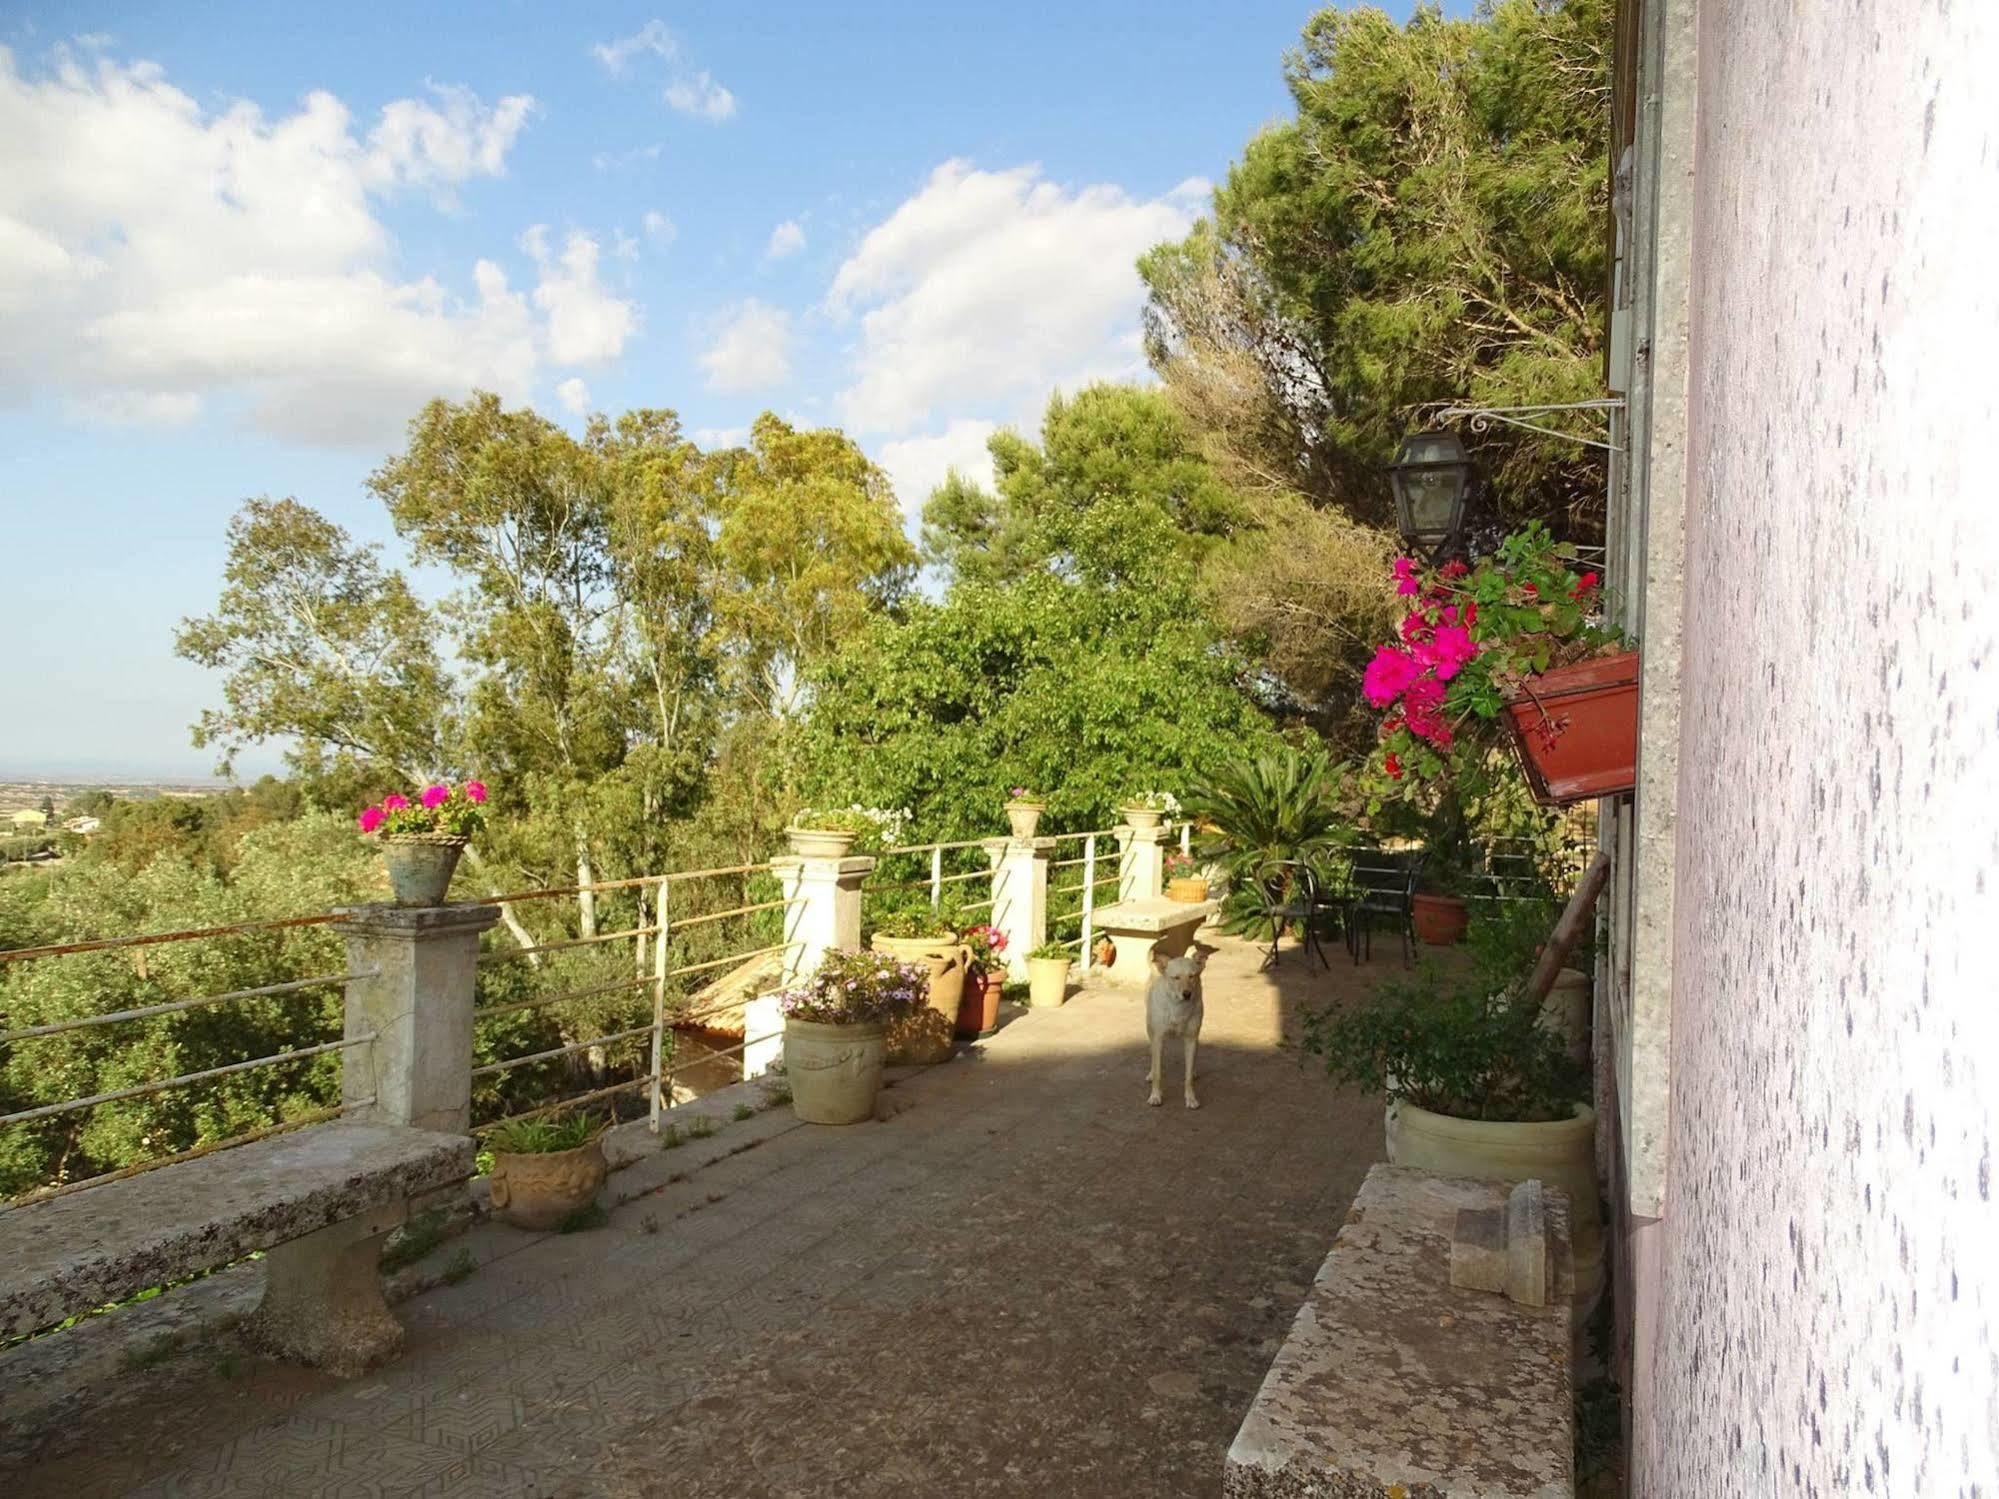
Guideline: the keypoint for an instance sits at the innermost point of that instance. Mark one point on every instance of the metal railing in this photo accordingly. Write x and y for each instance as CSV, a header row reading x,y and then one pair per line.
x,y
1086,887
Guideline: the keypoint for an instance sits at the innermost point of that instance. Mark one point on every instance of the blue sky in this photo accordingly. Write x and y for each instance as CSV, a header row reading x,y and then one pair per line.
x,y
236,254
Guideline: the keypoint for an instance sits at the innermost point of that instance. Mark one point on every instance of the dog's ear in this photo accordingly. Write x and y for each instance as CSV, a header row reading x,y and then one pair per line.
x,y
1198,956
1159,961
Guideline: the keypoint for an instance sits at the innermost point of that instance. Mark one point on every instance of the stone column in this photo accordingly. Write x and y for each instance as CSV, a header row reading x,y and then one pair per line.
x,y
763,1036
420,964
1142,861
1020,896
822,907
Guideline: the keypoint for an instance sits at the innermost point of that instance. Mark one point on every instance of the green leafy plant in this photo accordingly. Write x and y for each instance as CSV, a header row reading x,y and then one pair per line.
x,y
875,828
984,942
1053,950
1154,801
743,1111
908,913
544,1136
1264,813
459,1267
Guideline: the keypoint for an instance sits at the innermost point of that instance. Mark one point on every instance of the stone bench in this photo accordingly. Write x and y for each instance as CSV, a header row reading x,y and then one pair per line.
x,y
1138,928
320,1200
1392,1381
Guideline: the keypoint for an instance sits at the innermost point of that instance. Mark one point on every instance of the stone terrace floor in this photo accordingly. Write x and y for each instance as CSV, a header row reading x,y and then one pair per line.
x,y
1024,1282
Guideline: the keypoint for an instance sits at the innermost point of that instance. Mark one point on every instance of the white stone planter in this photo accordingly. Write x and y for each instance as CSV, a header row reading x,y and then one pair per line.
x,y
835,1071
1143,818
1566,1011
1047,982
1561,1152
820,843
1024,818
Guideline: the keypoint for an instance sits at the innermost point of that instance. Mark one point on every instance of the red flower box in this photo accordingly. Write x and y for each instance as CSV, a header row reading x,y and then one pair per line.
x,y
1576,728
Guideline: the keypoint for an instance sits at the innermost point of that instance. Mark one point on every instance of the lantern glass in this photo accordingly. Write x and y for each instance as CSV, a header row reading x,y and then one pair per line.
x,y
1432,475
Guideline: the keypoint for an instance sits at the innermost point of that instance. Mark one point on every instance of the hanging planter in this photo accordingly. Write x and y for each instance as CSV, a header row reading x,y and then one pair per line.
x,y
1576,729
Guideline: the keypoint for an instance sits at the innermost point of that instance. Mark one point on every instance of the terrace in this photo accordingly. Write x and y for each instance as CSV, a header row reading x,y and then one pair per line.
x,y
1018,1280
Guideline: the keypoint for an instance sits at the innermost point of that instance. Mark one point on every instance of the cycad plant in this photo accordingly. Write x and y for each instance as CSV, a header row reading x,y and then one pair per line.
x,y
1266,813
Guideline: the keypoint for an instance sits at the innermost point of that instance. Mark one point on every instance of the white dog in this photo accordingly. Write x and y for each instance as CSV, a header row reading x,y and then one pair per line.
x,y
1173,1008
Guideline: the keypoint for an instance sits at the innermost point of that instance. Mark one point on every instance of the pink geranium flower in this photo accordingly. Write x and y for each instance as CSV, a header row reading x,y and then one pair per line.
x,y
1406,582
475,791
436,796
1388,676
372,819
1447,651
395,801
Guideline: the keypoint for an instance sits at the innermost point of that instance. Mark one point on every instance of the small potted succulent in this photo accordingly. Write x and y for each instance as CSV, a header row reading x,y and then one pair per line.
x,y
978,1011
1150,808
1185,880
544,1169
1048,975
1023,811
906,928
422,839
836,1032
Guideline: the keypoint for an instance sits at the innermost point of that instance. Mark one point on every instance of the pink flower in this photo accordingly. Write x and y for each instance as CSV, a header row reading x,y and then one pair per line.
x,y
1447,651
475,791
1414,627
372,819
436,796
395,801
1405,577
1388,676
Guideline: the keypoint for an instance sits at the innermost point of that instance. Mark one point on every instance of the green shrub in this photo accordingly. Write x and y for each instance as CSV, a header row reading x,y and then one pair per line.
x,y
544,1136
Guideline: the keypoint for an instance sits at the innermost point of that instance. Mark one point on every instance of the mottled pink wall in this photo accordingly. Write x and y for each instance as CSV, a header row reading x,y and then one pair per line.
x,y
1828,1261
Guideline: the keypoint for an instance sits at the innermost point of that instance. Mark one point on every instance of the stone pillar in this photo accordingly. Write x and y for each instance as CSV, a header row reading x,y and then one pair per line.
x,y
1142,862
1020,896
420,965
763,1036
822,907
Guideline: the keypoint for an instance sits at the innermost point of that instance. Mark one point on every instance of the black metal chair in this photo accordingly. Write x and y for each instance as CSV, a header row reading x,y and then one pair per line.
x,y
1384,889
1292,896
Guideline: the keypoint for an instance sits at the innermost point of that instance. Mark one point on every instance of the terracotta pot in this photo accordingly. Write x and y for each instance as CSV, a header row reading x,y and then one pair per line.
x,y
1576,729
420,868
978,1011
1024,818
539,1191
820,843
1103,952
1561,1152
1188,889
1143,818
1047,982
1440,920
835,1071
924,1038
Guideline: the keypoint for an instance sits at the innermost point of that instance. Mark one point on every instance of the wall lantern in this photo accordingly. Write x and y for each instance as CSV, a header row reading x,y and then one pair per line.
x,y
1435,482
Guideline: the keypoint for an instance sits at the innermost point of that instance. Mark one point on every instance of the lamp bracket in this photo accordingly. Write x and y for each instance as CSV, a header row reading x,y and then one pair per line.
x,y
1482,417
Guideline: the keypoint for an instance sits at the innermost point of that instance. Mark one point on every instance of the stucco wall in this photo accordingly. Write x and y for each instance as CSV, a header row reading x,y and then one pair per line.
x,y
1828,1264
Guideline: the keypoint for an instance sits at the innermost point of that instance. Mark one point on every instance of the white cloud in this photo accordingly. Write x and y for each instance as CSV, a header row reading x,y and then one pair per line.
x,y
987,290
917,465
158,256
652,37
752,350
701,96
574,395
586,324
787,238
720,437
659,228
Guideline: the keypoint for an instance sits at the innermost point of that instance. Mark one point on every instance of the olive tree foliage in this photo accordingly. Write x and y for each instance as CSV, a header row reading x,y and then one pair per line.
x,y
1427,230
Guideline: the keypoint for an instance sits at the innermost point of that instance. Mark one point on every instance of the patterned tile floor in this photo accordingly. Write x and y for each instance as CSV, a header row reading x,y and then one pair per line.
x,y
1025,1282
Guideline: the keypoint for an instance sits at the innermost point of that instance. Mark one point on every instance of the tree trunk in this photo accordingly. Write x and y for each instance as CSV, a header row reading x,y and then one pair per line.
x,y
586,900
512,922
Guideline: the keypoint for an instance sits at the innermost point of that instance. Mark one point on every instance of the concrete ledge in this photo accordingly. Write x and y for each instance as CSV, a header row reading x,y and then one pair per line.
x,y
1392,1382
1137,927
73,1253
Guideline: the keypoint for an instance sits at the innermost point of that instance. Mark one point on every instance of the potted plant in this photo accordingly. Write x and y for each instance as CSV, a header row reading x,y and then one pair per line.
x,y
1023,811
1437,908
835,832
422,840
1477,1084
1149,809
836,1032
978,1011
1048,975
1516,639
905,928
546,1169
1184,880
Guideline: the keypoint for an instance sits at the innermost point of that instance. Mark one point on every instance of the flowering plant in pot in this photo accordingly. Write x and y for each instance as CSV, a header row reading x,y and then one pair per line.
x,y
1048,975
1184,878
978,1011
1023,811
836,1032
544,1170
904,926
1150,808
423,837
1515,641
835,832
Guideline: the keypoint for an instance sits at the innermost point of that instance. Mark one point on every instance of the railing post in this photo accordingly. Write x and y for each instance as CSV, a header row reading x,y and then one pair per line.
x,y
1142,862
822,907
936,878
418,969
1089,898
654,1102
1187,839
1020,896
